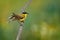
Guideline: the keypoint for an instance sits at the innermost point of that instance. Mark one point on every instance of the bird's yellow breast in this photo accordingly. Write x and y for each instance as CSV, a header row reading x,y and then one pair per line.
x,y
24,17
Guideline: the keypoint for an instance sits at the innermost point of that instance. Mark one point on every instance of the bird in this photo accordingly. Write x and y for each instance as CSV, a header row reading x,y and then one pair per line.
x,y
20,17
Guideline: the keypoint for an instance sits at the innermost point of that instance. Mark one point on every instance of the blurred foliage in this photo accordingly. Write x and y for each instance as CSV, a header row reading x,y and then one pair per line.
x,y
42,23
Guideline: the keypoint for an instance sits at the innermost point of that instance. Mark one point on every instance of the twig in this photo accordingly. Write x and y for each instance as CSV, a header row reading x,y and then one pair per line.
x,y
20,31
26,5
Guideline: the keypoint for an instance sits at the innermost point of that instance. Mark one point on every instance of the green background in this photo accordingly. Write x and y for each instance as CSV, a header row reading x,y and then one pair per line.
x,y
42,23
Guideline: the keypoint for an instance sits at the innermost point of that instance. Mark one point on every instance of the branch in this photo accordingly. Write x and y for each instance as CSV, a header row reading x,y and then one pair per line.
x,y
20,31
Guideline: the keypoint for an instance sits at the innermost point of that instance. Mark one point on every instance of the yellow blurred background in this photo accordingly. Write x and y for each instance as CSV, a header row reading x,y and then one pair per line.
x,y
43,22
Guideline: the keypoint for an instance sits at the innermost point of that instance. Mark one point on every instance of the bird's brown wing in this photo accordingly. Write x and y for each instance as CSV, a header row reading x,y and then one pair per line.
x,y
22,16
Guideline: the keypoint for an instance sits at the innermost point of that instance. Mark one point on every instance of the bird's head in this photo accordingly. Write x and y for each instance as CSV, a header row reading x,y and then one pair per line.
x,y
24,13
